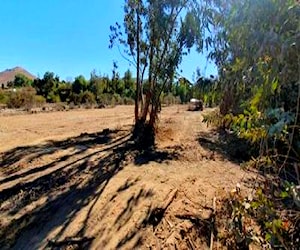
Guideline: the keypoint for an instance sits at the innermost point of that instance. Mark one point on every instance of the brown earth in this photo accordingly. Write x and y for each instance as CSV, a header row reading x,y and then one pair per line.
x,y
72,180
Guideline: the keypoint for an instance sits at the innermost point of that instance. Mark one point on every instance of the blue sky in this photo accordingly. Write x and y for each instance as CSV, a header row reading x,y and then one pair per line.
x,y
68,37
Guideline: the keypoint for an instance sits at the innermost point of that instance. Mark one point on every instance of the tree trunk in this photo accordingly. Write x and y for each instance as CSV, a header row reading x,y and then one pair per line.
x,y
154,111
150,79
137,93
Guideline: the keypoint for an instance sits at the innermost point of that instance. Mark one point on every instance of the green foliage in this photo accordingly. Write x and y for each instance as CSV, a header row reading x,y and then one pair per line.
x,y
21,81
3,97
24,98
208,90
87,97
99,89
52,97
75,98
184,89
46,85
64,91
258,75
256,219
129,84
80,85
120,88
256,47
157,34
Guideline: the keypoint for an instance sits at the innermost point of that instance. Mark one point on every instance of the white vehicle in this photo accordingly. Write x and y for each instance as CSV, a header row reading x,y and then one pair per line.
x,y
195,105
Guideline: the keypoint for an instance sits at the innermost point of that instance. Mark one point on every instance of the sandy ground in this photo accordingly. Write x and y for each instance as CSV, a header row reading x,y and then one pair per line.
x,y
30,129
72,180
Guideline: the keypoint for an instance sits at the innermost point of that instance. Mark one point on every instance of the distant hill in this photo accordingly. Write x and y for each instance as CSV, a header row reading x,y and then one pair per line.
x,y
9,75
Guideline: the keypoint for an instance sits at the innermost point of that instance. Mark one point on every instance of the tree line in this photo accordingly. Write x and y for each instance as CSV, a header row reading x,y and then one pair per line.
x,y
98,90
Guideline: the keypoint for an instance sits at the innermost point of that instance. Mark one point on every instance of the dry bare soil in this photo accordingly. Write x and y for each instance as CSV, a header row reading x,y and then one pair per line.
x,y
73,180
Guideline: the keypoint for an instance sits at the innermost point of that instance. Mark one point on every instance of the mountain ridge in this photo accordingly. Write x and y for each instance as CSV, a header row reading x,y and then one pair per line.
x,y
8,75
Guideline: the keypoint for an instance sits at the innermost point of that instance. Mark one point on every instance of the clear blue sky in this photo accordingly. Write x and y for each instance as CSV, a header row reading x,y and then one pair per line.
x,y
68,37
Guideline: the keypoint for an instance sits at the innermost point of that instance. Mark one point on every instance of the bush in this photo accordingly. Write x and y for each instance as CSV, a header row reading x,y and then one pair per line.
x,y
23,98
118,99
128,101
53,98
170,99
75,99
3,97
107,99
39,100
87,97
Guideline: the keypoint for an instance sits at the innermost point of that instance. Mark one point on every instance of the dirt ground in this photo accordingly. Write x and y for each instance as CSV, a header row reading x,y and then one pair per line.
x,y
72,180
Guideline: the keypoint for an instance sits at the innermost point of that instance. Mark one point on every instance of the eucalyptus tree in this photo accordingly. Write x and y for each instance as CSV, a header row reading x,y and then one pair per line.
x,y
256,44
155,36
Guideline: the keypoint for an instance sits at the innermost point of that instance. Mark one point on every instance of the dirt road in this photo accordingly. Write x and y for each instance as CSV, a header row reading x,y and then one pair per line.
x,y
68,182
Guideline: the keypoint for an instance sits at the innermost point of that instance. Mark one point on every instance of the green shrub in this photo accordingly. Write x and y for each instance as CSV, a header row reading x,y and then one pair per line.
x,y
113,101
53,98
128,101
87,97
75,98
22,98
117,99
39,100
3,97
105,99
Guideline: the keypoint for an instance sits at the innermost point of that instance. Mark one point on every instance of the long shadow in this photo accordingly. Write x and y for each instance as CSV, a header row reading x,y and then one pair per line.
x,y
64,206
38,169
53,179
61,159
126,215
226,144
72,185
85,141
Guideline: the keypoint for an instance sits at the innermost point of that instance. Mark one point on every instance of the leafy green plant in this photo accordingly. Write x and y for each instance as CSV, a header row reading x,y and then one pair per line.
x,y
3,97
255,219
87,97
255,45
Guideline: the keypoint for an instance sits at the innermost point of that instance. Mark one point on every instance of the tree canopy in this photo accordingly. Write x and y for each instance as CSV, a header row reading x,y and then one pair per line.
x,y
255,44
155,36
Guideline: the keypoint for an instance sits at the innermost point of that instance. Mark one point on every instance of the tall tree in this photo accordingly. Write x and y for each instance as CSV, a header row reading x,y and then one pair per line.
x,y
256,46
46,85
80,85
156,35
21,81
128,84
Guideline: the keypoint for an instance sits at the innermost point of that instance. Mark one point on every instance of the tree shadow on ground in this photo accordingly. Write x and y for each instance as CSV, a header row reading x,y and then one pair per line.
x,y
228,145
154,155
29,153
36,200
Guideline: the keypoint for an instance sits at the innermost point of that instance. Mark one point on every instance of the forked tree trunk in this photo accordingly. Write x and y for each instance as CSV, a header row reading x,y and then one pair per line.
x,y
144,131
